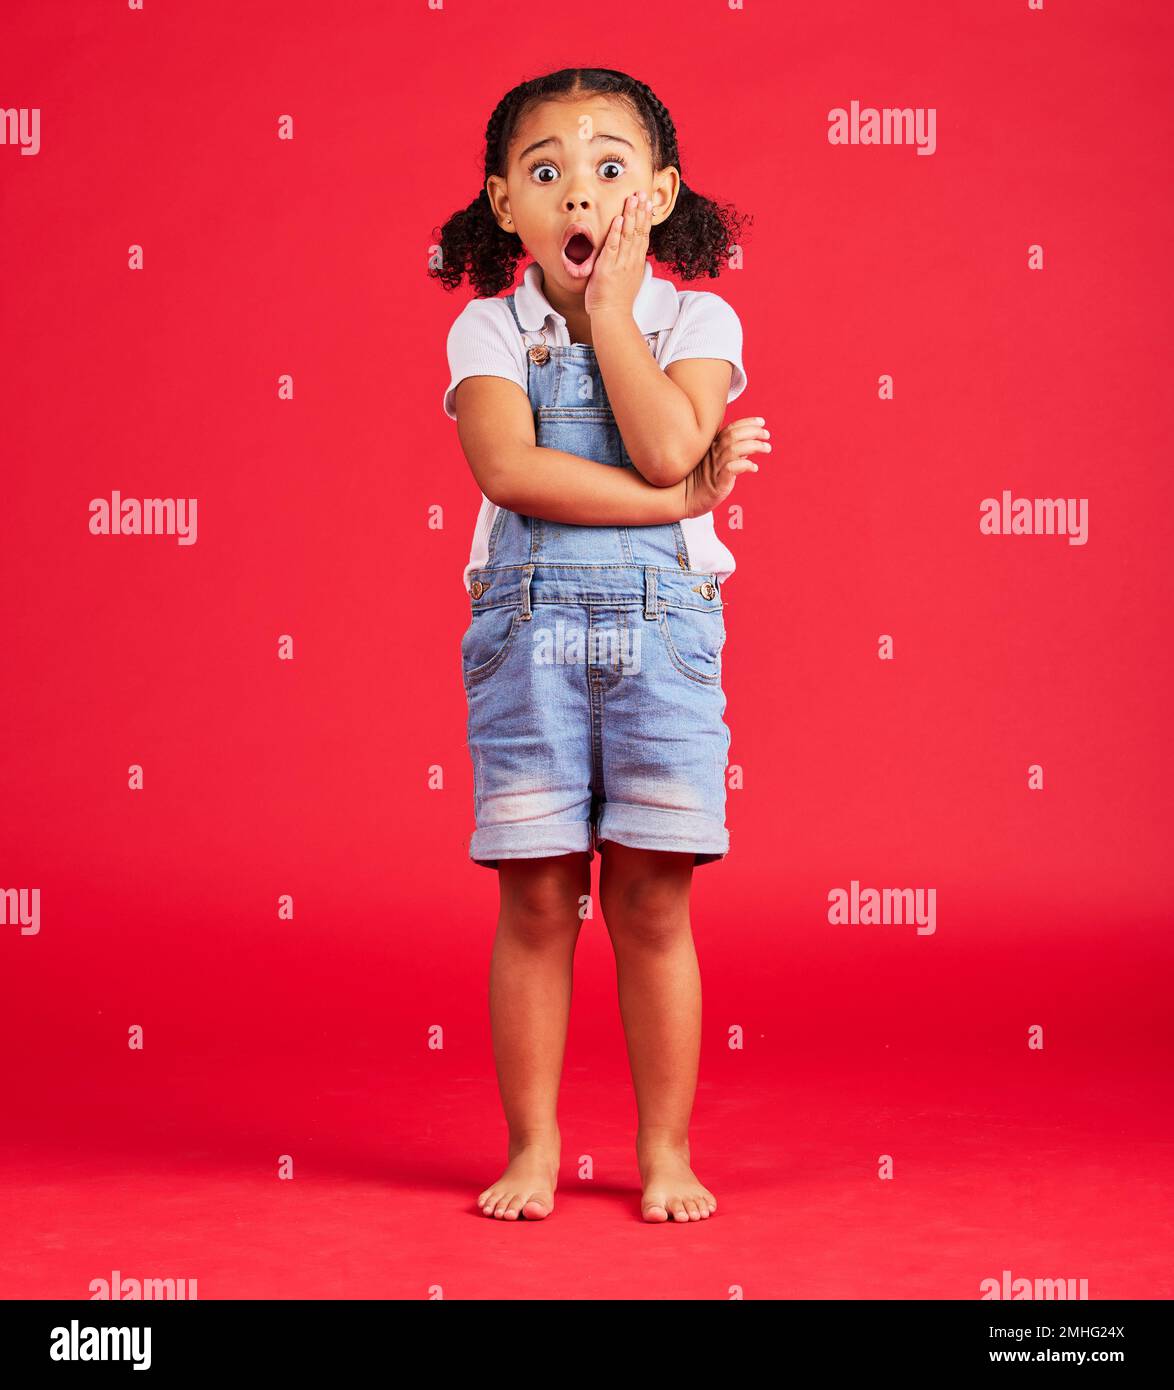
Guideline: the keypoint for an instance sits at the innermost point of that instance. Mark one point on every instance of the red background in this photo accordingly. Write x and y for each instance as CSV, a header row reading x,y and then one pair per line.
x,y
262,777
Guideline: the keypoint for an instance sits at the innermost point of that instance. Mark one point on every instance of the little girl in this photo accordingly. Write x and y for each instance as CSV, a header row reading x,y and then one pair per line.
x,y
588,405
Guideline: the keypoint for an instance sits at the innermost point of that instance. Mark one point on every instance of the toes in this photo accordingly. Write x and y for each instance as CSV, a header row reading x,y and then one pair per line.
x,y
696,1203
503,1206
678,1209
533,1206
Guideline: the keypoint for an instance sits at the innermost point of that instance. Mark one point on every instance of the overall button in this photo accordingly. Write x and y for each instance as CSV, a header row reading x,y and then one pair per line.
x,y
476,588
707,590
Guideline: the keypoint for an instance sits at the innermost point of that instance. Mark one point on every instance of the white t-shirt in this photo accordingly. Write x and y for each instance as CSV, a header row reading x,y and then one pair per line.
x,y
484,341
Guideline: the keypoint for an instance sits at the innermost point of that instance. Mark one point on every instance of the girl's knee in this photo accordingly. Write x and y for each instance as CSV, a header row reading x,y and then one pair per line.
x,y
646,894
543,895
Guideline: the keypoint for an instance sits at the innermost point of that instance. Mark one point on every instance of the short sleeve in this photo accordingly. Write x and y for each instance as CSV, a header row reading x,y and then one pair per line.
x,y
706,326
483,341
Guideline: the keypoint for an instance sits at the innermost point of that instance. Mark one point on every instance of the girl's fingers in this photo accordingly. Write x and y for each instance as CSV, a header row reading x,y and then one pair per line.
x,y
738,448
751,420
738,440
743,429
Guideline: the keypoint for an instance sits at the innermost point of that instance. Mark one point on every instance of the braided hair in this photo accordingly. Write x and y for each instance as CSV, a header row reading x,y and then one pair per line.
x,y
694,241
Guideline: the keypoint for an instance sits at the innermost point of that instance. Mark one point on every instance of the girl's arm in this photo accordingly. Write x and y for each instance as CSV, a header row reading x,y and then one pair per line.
x,y
495,423
667,417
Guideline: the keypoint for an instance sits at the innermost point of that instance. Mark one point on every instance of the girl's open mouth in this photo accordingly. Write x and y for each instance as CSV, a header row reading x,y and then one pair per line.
x,y
579,254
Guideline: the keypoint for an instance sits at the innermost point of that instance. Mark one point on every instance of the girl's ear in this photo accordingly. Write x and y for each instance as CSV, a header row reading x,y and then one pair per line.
x,y
666,185
495,191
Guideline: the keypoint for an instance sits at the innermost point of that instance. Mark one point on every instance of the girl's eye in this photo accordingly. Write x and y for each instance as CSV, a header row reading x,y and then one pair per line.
x,y
615,160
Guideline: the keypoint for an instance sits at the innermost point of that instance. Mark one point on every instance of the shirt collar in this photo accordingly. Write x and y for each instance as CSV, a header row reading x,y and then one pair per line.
x,y
655,306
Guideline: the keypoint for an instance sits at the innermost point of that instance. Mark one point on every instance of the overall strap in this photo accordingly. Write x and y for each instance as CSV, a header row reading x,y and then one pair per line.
x,y
537,334
527,347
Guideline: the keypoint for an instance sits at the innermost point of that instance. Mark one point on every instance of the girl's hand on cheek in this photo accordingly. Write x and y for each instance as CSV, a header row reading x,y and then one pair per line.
x,y
619,268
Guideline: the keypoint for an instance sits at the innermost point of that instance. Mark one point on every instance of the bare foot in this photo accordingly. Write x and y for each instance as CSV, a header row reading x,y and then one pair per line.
x,y
671,1188
526,1188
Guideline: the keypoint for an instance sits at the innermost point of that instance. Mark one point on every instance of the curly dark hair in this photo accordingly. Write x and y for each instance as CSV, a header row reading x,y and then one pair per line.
x,y
694,241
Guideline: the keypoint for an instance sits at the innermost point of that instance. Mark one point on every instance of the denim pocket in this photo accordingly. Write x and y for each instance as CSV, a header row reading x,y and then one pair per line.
x,y
694,639
588,431
486,641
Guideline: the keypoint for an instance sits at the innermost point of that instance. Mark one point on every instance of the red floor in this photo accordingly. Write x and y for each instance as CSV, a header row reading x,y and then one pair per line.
x,y
1048,1172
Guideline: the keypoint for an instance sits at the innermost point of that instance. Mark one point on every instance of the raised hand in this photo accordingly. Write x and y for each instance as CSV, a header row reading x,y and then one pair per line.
x,y
619,268
712,481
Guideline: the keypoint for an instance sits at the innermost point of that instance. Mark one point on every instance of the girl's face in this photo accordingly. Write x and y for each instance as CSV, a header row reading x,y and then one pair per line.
x,y
572,163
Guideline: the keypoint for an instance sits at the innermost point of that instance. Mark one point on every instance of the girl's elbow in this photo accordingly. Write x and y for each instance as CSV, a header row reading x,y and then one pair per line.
x,y
500,496
666,470
493,478
494,486
674,460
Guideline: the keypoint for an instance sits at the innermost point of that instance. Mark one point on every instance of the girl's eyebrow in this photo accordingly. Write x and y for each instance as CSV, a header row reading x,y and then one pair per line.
x,y
555,140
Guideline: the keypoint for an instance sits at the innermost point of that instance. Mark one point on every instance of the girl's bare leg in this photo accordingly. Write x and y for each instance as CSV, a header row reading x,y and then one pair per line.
x,y
644,895
529,1004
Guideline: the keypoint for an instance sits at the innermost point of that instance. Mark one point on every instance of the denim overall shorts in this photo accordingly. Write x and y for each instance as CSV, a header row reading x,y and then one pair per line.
x,y
592,663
